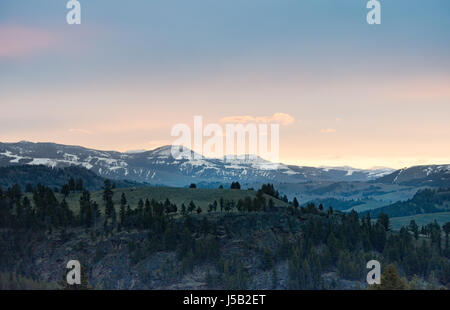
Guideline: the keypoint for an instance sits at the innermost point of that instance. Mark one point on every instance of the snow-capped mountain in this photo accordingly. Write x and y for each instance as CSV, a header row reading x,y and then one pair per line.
x,y
428,175
159,167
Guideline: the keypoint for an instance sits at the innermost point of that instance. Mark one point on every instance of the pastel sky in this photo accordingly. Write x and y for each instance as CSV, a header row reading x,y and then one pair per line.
x,y
355,94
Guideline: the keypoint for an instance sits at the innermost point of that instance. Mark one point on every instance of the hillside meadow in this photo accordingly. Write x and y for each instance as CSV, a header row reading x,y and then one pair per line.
x,y
202,197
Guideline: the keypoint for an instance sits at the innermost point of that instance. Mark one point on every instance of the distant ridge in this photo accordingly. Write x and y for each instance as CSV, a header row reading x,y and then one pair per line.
x,y
25,175
426,175
159,167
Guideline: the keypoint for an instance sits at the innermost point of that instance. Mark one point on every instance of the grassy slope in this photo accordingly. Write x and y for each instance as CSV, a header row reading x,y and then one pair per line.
x,y
201,196
421,219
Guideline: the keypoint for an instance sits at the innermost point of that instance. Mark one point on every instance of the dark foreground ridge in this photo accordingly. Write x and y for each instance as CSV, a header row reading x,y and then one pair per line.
x,y
247,244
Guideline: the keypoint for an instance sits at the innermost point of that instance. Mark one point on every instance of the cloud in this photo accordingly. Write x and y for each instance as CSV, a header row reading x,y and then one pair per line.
x,y
19,40
78,130
280,118
327,130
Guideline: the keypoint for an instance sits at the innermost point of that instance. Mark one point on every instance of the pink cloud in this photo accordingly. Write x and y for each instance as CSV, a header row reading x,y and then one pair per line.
x,y
328,130
19,41
281,118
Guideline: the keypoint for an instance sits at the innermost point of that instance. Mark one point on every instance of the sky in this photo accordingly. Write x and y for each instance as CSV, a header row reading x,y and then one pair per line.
x,y
354,94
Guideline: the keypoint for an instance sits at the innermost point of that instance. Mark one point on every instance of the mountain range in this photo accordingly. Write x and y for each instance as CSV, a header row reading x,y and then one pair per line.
x,y
158,167
425,175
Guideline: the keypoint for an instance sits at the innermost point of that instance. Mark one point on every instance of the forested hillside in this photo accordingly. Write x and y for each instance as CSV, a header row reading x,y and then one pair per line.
x,y
243,244
30,176
424,201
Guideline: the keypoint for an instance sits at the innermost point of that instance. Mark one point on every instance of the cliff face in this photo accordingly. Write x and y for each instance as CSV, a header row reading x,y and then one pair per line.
x,y
284,248
135,260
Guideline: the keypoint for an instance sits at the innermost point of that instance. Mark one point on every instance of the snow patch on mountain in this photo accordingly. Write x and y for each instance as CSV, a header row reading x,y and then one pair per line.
x,y
15,158
159,167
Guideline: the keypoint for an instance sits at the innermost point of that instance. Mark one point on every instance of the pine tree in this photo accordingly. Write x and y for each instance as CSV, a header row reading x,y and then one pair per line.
x,y
85,209
390,280
191,207
123,203
79,185
271,204
107,190
446,229
235,185
95,214
383,219
140,207
414,228
71,184
148,209
65,190
110,212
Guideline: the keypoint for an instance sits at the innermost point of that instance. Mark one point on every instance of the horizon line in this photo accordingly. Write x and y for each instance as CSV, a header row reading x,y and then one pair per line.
x,y
140,151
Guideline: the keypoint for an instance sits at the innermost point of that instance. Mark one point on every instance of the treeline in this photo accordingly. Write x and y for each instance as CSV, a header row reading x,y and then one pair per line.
x,y
338,204
45,211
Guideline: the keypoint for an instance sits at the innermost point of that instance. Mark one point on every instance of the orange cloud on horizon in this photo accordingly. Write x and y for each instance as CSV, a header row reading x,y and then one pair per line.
x,y
328,130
